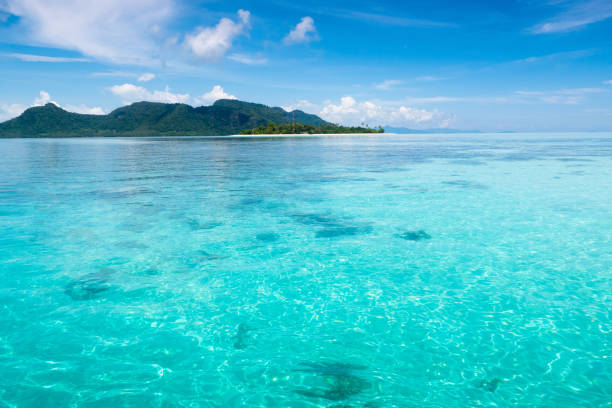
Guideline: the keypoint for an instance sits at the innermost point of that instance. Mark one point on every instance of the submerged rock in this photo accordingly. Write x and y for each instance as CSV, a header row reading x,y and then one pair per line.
x,y
207,256
340,382
329,368
334,232
489,384
242,336
419,235
339,387
316,219
90,286
196,225
267,237
465,184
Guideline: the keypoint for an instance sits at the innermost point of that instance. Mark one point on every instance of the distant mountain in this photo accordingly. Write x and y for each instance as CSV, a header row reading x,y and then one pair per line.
x,y
224,117
389,129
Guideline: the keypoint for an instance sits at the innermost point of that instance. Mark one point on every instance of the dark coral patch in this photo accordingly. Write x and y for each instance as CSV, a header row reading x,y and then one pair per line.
x,y
339,379
267,237
335,232
489,385
88,287
419,235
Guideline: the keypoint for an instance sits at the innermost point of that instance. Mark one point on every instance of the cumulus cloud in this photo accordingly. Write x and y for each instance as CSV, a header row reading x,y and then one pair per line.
x,y
304,31
351,112
43,99
130,93
9,111
96,110
146,77
212,43
113,30
387,84
215,94
302,104
248,59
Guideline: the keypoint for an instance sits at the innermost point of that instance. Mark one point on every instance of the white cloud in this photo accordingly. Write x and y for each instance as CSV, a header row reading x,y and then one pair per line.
x,y
387,84
43,99
146,77
9,111
430,78
576,16
351,112
215,94
43,58
569,96
248,59
84,109
112,30
303,32
608,82
130,93
115,74
212,43
302,104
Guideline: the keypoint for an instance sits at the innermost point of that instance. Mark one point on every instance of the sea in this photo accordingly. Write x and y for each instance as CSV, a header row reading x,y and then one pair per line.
x,y
364,271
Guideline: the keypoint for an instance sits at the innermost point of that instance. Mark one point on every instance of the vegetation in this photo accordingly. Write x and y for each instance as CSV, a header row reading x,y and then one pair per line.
x,y
224,117
303,128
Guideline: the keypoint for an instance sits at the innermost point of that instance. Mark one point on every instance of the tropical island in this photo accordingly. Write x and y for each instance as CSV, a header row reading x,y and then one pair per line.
x,y
224,117
303,128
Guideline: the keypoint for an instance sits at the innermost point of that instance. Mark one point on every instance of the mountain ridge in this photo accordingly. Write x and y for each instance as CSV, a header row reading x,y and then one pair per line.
x,y
224,117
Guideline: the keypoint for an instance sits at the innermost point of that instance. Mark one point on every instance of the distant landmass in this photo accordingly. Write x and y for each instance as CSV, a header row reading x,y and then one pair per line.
x,y
390,129
301,128
224,117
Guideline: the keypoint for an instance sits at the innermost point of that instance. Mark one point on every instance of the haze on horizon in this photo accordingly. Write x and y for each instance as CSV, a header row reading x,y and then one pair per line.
x,y
523,65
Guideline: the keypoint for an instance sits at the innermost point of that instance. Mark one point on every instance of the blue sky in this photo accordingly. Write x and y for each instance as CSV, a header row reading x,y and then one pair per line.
x,y
523,65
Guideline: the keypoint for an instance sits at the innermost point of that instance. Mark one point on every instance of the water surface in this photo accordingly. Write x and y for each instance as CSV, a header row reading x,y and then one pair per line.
x,y
354,271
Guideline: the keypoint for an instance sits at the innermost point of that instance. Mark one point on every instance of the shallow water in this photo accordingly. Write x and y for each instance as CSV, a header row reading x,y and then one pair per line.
x,y
393,271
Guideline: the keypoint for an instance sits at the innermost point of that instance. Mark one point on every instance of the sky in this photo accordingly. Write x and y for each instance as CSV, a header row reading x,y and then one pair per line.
x,y
522,65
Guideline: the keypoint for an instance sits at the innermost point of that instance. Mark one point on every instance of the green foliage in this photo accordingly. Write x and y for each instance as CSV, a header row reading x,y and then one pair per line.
x,y
224,117
303,128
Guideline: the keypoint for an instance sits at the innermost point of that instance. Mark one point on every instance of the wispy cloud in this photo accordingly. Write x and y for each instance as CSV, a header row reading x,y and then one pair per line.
x,y
248,59
305,31
568,96
430,78
112,30
384,19
566,55
43,58
387,84
608,82
578,14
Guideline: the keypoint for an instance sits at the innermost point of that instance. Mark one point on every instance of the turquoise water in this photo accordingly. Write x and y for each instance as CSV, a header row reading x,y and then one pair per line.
x,y
354,271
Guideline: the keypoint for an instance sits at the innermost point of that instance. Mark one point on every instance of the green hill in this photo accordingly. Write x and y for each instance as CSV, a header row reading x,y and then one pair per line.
x,y
224,117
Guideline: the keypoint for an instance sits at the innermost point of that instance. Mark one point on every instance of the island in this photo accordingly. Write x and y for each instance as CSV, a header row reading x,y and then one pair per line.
x,y
224,117
304,128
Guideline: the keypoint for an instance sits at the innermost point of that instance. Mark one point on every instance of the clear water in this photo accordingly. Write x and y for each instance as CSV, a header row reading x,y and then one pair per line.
x,y
356,271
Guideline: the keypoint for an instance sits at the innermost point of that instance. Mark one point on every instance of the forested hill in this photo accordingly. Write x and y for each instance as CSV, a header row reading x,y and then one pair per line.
x,y
224,117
